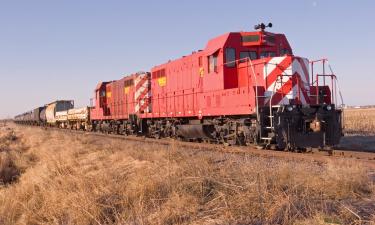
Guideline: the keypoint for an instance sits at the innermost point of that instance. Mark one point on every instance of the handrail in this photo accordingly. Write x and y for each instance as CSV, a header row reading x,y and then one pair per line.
x,y
313,82
334,81
338,86
333,89
256,88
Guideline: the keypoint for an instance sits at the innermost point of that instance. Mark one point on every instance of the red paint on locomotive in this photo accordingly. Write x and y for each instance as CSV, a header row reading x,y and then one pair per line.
x,y
116,100
242,88
223,79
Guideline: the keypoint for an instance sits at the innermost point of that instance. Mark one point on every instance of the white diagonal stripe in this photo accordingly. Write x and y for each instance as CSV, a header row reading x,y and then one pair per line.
x,y
140,90
294,68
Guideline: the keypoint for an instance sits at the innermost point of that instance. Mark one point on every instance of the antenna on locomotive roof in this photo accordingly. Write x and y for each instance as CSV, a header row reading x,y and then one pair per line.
x,y
262,26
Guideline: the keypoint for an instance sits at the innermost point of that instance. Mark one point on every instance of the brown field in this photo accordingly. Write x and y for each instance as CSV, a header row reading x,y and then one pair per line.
x,y
360,121
359,129
51,177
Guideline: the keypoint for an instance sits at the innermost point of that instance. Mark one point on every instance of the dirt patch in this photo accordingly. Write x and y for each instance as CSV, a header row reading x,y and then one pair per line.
x,y
359,129
358,142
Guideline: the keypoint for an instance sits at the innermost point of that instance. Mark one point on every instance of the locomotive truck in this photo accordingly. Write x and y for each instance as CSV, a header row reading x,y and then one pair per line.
x,y
242,88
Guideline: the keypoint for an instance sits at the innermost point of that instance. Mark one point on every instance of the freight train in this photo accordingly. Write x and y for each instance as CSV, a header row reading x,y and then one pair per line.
x,y
242,88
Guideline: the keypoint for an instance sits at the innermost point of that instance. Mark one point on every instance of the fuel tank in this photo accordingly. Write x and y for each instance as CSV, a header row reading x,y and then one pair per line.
x,y
195,130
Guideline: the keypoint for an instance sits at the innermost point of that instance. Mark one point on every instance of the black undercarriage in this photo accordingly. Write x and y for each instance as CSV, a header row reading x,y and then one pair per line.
x,y
288,127
296,127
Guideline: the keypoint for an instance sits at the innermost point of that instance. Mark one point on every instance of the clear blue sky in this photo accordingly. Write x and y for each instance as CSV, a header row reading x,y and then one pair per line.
x,y
61,49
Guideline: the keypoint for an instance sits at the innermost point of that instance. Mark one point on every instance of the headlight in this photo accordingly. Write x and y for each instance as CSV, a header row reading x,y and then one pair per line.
x,y
289,108
329,107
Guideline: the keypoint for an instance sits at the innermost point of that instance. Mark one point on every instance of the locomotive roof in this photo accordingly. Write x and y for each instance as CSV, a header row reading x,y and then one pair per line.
x,y
98,86
219,42
211,47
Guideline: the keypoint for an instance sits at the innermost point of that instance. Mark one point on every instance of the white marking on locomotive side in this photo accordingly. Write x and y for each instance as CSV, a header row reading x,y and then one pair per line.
x,y
140,91
271,65
294,68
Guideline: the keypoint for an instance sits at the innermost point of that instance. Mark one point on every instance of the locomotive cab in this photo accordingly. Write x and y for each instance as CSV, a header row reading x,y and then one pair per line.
x,y
243,46
292,108
101,94
261,44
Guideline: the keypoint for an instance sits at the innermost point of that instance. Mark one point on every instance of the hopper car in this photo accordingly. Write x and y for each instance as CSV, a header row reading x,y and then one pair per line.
x,y
33,117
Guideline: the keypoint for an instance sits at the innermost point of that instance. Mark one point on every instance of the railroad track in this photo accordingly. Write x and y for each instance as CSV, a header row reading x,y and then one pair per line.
x,y
367,158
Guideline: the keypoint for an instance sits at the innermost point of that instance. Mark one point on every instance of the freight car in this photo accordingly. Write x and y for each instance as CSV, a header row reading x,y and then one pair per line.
x,y
22,118
33,117
243,87
74,118
55,112
79,118
45,115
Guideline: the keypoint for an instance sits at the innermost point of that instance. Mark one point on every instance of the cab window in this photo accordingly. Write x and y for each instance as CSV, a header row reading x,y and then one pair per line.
x,y
212,63
248,54
284,52
230,57
200,61
250,38
267,54
128,83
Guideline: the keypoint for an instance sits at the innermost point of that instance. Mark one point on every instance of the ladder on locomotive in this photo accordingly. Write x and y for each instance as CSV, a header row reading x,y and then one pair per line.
x,y
269,127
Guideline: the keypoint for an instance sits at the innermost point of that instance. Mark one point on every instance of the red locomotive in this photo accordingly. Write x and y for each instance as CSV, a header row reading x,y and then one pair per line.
x,y
243,87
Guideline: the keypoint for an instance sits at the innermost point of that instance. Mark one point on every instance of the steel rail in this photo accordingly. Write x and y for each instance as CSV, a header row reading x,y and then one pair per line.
x,y
365,157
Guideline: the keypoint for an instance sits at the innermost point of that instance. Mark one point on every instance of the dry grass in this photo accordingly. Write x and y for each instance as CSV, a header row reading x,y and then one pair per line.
x,y
360,121
80,179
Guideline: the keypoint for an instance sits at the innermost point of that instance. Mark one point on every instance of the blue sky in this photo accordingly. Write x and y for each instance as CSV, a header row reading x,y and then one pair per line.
x,y
61,49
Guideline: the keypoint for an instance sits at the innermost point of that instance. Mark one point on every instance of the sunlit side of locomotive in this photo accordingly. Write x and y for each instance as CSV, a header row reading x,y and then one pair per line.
x,y
246,87
243,87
